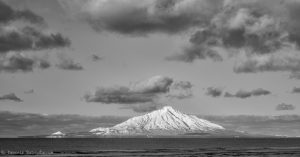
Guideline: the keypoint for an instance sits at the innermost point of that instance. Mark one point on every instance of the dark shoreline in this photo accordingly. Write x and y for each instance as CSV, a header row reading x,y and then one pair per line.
x,y
295,151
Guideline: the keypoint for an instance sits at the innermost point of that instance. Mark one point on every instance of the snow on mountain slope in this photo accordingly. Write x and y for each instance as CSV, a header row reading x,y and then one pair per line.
x,y
165,121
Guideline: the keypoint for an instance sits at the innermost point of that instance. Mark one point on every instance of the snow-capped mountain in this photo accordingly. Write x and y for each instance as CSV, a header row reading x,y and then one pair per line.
x,y
165,121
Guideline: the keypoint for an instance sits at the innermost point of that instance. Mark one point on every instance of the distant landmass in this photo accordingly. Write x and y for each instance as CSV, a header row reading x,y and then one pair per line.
x,y
165,122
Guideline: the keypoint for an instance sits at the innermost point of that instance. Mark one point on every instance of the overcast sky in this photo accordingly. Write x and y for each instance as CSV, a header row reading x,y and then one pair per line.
x,y
127,57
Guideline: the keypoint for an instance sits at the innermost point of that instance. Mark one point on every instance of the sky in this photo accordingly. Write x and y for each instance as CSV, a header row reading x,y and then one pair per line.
x,y
129,57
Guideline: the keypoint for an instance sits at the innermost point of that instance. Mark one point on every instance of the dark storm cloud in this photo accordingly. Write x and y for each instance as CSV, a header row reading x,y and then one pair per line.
x,y
296,90
214,92
15,62
135,17
7,14
10,97
143,95
246,94
285,107
26,124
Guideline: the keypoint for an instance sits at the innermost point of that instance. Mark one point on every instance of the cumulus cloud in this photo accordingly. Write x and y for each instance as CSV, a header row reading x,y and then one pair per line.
x,y
264,33
67,63
285,107
8,14
29,37
156,84
142,94
180,90
137,17
261,35
119,95
23,32
284,60
246,94
296,90
214,92
10,97
23,62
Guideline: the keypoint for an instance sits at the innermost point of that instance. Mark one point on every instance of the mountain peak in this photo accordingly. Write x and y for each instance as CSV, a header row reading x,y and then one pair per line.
x,y
165,121
168,108
58,133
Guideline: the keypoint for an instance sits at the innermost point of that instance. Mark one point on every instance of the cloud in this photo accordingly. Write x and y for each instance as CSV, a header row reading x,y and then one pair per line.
x,y
156,84
180,90
28,124
8,14
246,94
135,17
29,38
264,125
119,95
192,53
11,97
22,32
142,108
285,60
96,58
261,35
296,90
15,62
295,75
31,91
285,107
67,63
142,94
214,92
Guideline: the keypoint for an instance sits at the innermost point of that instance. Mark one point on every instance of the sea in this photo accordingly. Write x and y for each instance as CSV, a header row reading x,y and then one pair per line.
x,y
132,147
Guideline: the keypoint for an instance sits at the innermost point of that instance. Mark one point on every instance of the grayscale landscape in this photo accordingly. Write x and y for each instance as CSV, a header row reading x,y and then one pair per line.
x,y
149,78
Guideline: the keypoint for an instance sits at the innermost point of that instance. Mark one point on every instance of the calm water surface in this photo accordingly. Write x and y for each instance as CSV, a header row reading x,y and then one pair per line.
x,y
156,146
